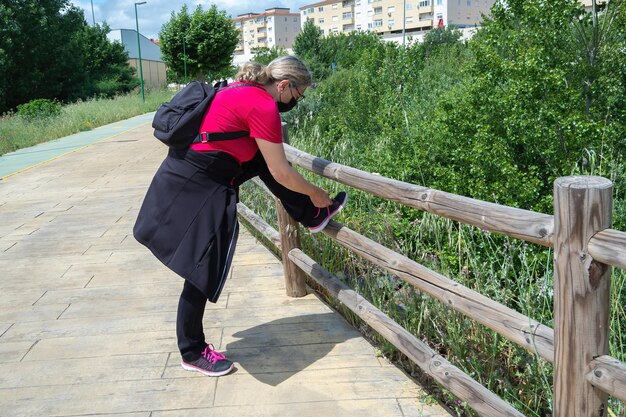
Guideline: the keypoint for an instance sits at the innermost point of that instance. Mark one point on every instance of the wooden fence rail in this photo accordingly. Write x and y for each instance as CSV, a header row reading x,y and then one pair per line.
x,y
584,247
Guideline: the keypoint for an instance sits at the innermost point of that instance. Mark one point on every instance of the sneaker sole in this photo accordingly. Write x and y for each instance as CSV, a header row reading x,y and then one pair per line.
x,y
192,368
323,224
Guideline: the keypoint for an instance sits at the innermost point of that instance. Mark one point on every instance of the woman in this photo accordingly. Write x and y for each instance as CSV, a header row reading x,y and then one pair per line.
x,y
189,216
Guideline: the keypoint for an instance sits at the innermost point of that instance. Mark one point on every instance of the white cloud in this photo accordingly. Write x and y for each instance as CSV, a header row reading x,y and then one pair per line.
x,y
120,14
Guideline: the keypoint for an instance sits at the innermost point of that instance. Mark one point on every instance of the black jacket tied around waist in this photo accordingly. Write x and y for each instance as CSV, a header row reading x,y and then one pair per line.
x,y
188,218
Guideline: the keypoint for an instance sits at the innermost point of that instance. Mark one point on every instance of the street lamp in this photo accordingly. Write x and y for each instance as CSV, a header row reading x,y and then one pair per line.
x,y
93,16
185,59
143,96
403,21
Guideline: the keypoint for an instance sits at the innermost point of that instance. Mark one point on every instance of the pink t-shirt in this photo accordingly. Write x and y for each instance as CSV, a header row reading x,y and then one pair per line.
x,y
244,108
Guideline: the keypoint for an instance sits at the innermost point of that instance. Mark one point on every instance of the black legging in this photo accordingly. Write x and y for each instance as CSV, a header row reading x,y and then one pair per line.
x,y
189,328
299,206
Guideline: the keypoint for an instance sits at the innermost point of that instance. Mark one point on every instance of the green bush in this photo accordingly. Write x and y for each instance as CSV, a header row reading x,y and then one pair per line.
x,y
40,108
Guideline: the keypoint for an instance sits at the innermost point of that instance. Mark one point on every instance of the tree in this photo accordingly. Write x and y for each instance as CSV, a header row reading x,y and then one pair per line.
x,y
335,51
209,37
174,43
105,63
264,55
525,118
48,51
439,37
39,53
307,42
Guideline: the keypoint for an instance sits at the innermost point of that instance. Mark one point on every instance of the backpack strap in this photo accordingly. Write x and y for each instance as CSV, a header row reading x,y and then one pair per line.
x,y
204,137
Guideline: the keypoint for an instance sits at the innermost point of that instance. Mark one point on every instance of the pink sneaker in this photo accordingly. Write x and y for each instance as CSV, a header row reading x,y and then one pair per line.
x,y
211,363
325,214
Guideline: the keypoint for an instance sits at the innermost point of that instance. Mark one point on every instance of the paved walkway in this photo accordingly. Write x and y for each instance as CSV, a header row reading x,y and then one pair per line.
x,y
87,315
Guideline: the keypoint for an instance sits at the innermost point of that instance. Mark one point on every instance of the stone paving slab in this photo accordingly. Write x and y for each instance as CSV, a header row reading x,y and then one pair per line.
x,y
87,315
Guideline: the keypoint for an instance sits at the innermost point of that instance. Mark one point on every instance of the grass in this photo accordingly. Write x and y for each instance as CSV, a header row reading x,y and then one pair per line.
x,y
17,133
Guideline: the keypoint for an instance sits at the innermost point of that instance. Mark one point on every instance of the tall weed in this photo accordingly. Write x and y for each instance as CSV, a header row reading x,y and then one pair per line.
x,y
17,132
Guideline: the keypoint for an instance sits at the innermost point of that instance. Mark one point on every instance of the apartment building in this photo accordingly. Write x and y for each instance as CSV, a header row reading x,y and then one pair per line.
x,y
274,27
391,18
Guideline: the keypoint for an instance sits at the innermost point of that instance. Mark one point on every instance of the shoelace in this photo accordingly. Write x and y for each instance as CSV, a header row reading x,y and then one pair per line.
x,y
212,355
319,210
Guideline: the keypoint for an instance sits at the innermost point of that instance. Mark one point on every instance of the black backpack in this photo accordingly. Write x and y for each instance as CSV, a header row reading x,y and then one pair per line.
x,y
177,122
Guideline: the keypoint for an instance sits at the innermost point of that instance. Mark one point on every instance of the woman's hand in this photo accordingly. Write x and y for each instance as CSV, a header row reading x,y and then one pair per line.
x,y
320,198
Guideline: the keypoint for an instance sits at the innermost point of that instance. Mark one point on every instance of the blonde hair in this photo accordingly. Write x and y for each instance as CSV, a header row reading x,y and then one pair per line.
x,y
282,68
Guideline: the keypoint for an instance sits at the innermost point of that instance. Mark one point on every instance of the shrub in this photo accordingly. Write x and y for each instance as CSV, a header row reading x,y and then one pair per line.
x,y
39,109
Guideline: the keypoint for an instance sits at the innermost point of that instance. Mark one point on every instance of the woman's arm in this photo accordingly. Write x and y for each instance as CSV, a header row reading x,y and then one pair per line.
x,y
274,155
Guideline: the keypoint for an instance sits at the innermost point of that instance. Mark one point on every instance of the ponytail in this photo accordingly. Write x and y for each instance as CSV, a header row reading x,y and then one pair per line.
x,y
282,68
253,72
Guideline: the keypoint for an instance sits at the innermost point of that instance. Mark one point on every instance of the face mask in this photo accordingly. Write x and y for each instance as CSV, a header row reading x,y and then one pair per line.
x,y
285,107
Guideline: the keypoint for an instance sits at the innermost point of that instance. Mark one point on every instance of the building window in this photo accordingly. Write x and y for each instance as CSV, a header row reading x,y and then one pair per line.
x,y
310,10
409,6
321,20
378,23
335,5
426,3
439,2
409,19
391,9
347,15
335,18
378,10
320,9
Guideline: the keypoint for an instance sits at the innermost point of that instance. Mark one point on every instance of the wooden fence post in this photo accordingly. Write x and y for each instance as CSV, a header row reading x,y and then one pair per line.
x,y
582,207
295,283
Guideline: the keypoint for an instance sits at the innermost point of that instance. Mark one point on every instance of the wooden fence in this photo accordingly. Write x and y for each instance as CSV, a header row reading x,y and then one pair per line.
x,y
585,248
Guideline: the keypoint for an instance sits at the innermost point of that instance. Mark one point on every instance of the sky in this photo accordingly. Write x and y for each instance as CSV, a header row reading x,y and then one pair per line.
x,y
120,14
